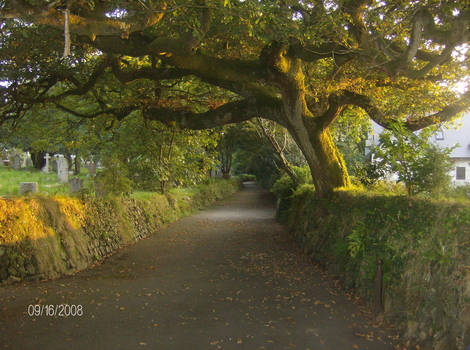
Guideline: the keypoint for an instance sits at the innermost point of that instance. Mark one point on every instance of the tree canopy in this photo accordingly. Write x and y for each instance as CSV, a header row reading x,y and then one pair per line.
x,y
206,63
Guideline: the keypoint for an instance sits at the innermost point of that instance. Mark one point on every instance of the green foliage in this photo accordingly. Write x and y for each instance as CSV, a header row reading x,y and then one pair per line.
x,y
254,155
344,48
420,165
349,133
157,157
247,177
369,173
114,179
424,246
460,193
284,187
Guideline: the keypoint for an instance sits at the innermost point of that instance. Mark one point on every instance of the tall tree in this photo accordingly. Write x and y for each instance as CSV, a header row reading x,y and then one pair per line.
x,y
297,63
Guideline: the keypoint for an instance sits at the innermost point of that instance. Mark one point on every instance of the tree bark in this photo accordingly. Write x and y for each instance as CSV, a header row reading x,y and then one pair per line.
x,y
76,170
310,131
326,164
38,159
333,172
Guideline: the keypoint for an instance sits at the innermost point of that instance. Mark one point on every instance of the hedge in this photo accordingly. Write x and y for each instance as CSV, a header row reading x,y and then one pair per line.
x,y
424,247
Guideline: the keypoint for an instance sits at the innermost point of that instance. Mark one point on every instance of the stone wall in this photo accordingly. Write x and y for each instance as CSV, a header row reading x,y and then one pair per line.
x,y
46,237
421,247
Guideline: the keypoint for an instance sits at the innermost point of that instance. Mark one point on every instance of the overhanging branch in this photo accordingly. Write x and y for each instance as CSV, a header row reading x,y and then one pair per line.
x,y
85,20
412,124
125,76
119,113
231,112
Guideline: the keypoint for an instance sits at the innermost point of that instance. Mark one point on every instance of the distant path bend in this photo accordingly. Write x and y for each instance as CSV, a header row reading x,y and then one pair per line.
x,y
229,277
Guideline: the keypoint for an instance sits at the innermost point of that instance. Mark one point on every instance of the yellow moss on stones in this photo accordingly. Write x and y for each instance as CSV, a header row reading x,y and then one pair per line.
x,y
50,236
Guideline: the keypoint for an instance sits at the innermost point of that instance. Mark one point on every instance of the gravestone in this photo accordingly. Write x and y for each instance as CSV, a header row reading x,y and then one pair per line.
x,y
28,187
75,185
17,162
47,167
100,190
23,160
28,161
92,168
62,169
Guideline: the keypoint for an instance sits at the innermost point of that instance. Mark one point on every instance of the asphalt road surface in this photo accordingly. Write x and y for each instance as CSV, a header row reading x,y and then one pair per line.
x,y
229,277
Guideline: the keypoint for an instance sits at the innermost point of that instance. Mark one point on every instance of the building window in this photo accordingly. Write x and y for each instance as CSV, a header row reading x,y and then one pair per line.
x,y
439,135
460,173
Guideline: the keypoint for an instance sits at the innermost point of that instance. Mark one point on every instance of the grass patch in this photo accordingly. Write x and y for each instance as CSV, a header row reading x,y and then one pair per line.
x,y
48,183
143,195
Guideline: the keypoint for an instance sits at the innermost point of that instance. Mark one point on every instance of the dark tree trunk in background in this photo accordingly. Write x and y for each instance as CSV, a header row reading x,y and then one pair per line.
x,y
76,170
69,161
38,159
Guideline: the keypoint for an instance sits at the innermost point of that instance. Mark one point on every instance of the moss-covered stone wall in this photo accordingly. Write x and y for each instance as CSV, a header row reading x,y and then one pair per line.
x,y
46,237
424,247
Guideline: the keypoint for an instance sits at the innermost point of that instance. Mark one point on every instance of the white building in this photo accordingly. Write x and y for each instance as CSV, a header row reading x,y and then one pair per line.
x,y
446,136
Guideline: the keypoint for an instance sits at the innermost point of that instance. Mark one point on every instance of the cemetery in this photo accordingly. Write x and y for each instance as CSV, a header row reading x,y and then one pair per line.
x,y
52,179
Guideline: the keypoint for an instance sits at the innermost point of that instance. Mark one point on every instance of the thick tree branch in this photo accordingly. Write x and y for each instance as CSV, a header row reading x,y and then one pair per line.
x,y
336,105
416,34
80,89
119,113
151,73
231,112
355,9
205,20
246,78
412,124
307,53
92,24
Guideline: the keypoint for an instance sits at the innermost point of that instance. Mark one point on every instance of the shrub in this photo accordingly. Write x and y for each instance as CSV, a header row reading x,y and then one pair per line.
x,y
284,187
420,165
113,179
247,177
460,193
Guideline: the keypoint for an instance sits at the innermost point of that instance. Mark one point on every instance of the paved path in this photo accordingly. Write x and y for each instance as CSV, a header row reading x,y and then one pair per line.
x,y
227,278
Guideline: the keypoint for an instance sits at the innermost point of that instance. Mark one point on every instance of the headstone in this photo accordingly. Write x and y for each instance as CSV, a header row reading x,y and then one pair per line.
x,y
46,167
75,185
17,162
23,163
92,168
28,161
62,169
99,187
28,187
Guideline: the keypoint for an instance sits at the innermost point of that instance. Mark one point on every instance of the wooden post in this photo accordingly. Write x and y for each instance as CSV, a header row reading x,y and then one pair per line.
x,y
378,290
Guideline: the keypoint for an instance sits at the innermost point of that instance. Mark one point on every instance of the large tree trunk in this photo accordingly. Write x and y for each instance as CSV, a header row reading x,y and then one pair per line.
x,y
331,171
311,132
325,161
